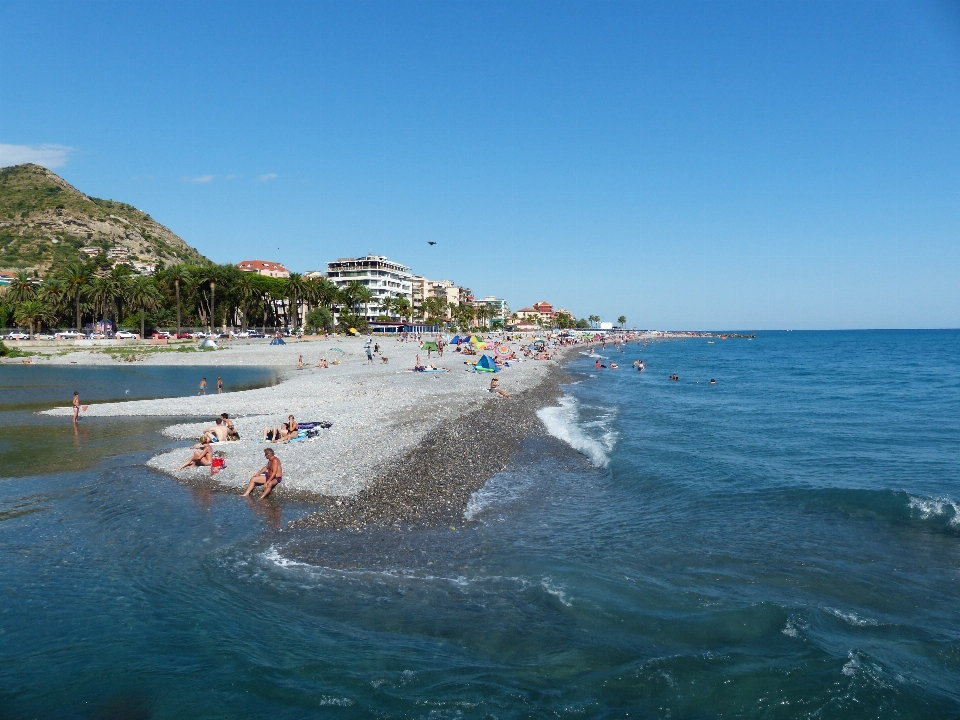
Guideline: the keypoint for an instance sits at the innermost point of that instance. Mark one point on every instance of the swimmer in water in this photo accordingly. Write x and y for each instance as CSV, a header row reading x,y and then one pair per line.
x,y
712,381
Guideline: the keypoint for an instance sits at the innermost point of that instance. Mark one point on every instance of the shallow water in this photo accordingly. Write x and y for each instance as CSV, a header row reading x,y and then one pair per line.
x,y
785,543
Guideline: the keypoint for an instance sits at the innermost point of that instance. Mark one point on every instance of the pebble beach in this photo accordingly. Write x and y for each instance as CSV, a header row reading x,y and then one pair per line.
x,y
389,424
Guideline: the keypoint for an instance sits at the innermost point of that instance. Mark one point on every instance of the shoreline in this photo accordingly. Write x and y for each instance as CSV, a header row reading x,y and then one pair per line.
x,y
431,485
387,422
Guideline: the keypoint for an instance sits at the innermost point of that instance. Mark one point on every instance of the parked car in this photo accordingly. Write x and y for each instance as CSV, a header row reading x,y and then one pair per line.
x,y
198,335
161,335
17,335
43,336
126,335
256,334
242,335
69,335
96,336
184,336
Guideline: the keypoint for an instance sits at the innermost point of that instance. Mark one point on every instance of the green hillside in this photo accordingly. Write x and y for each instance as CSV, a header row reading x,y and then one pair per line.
x,y
45,221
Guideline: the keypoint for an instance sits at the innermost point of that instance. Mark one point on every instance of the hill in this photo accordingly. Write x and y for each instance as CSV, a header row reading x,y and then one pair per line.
x,y
44,220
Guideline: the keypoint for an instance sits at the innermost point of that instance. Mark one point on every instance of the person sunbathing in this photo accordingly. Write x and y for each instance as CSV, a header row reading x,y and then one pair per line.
x,y
201,458
232,433
323,363
285,432
269,476
218,433
494,387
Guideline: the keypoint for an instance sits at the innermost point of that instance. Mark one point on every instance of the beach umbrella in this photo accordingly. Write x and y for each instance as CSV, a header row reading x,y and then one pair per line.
x,y
430,345
339,350
502,351
353,331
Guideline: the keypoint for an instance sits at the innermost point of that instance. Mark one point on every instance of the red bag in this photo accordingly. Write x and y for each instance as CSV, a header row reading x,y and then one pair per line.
x,y
217,465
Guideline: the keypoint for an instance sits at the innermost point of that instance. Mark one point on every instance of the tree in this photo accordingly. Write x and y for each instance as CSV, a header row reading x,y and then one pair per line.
x,y
435,309
208,275
100,292
564,320
145,296
32,313
482,314
401,307
320,318
178,275
594,319
622,320
296,287
21,288
76,276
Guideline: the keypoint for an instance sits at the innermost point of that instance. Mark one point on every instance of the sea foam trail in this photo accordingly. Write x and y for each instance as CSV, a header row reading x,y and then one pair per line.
x,y
594,439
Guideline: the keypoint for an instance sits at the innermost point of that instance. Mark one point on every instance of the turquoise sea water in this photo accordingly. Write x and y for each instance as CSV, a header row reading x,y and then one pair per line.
x,y
783,544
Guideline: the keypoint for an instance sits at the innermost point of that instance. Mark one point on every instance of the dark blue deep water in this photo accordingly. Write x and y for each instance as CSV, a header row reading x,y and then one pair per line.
x,y
783,544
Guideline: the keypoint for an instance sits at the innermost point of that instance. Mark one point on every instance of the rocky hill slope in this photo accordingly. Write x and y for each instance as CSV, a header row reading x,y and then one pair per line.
x,y
44,220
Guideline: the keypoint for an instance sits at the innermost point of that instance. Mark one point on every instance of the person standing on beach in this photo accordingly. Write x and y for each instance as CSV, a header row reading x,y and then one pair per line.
x,y
269,476
203,387
219,385
76,407
369,355
300,363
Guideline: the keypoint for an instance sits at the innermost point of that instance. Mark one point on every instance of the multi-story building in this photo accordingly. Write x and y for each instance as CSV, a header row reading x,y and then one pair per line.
x,y
499,310
264,267
545,309
384,278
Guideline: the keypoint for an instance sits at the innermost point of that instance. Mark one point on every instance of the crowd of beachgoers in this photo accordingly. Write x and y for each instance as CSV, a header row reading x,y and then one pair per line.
x,y
346,407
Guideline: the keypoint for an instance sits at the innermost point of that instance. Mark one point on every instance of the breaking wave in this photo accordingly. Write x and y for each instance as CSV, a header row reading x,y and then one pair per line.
x,y
591,436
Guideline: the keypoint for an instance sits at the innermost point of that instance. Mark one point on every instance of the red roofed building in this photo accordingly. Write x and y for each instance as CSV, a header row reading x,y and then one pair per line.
x,y
264,267
545,309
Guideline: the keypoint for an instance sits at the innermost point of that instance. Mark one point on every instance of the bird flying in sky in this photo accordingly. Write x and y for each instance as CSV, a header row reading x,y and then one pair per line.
x,y
430,242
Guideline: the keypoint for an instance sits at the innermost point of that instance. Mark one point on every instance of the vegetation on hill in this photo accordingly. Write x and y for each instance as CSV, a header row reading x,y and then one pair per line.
x,y
44,221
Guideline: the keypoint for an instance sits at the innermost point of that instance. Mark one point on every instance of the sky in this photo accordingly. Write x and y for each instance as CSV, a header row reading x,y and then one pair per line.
x,y
690,165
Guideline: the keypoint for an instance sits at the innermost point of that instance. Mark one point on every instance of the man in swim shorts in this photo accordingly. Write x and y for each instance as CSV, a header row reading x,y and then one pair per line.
x,y
269,476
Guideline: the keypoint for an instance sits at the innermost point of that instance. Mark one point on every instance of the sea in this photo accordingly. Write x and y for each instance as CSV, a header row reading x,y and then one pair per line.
x,y
781,543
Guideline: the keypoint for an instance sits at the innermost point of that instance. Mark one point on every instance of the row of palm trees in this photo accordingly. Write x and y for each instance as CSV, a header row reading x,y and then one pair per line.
x,y
211,296
179,296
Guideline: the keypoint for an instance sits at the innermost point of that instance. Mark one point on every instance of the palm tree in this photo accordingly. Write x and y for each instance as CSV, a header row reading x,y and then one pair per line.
x,y
179,275
208,275
76,276
594,319
296,288
482,313
119,287
21,288
622,320
144,294
101,294
33,313
401,307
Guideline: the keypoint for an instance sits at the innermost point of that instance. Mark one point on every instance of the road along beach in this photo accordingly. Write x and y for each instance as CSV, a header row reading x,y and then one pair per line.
x,y
399,441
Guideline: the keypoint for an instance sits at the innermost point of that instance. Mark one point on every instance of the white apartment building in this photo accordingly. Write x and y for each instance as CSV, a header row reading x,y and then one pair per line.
x,y
383,277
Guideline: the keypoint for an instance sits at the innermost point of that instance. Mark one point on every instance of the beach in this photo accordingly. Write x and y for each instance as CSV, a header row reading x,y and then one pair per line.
x,y
379,416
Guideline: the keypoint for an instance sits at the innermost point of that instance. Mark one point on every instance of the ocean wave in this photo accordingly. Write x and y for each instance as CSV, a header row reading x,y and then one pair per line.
x,y
593,438
851,618
940,508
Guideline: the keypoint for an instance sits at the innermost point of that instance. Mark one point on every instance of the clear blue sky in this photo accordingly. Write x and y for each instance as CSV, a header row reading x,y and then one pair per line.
x,y
688,165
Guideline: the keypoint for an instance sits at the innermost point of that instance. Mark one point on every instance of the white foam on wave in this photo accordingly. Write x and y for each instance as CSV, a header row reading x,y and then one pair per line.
x,y
595,438
851,618
273,555
934,507
502,488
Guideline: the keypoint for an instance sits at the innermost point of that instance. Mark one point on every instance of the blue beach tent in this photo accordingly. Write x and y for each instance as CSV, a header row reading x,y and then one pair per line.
x,y
485,364
277,341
